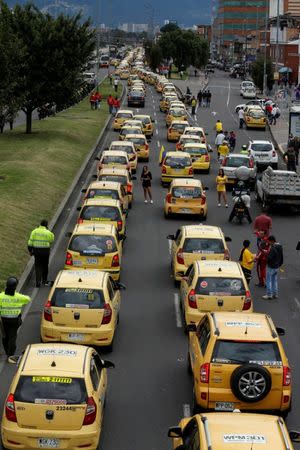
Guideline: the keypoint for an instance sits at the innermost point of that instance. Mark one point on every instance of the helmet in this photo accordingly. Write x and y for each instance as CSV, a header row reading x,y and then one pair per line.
x,y
11,283
244,147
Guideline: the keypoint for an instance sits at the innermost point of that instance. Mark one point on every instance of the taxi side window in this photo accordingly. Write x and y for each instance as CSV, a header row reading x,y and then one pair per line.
x,y
178,237
123,192
203,334
110,288
190,275
94,374
191,436
98,363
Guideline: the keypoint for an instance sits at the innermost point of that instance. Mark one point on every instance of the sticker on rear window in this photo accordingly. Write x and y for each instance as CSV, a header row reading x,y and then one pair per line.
x,y
50,401
244,438
56,352
83,291
99,219
267,363
52,380
236,285
204,284
236,323
109,244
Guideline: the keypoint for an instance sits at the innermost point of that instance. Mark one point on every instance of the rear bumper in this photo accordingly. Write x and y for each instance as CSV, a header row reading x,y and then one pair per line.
x,y
143,154
92,336
170,208
114,273
167,178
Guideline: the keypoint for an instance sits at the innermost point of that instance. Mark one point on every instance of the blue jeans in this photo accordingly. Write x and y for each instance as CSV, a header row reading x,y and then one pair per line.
x,y
272,281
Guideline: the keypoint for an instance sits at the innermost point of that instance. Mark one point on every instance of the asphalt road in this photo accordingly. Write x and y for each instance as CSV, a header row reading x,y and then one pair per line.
x,y
150,390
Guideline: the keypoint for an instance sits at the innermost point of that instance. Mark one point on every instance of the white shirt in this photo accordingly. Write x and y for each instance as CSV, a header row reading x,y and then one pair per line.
x,y
241,114
219,139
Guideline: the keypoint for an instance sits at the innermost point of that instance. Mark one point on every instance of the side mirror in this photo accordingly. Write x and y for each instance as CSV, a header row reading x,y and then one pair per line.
x,y
133,178
298,246
206,188
120,286
191,328
95,177
152,120
294,435
171,237
228,239
83,190
14,359
206,134
78,208
107,364
68,234
97,158
280,331
175,432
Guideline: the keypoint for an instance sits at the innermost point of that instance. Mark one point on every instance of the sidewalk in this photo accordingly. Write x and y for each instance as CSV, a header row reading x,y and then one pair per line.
x,y
194,83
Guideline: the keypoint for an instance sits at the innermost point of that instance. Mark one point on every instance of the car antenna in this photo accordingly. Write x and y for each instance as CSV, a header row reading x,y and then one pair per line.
x,y
79,280
246,332
53,364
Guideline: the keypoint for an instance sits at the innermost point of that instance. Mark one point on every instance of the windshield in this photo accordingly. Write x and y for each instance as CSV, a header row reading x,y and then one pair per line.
x,y
93,245
119,178
120,115
220,286
138,141
196,132
128,149
114,159
255,352
178,162
100,213
132,130
178,126
51,390
103,193
236,162
186,192
203,245
195,150
78,298
261,147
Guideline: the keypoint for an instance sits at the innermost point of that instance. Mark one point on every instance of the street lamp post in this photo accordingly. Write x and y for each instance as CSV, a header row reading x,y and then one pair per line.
x,y
277,42
98,41
265,50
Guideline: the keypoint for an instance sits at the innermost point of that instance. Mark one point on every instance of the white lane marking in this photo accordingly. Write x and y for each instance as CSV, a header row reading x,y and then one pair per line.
x,y
186,410
156,131
158,143
154,114
297,301
177,311
170,245
228,97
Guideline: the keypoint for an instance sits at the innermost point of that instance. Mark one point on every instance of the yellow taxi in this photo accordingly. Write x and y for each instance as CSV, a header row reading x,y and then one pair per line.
x,y
114,158
213,286
176,129
196,242
238,362
83,308
177,104
222,430
255,118
200,156
187,139
175,114
198,131
186,196
122,176
96,246
128,147
53,400
141,145
120,117
125,130
165,101
176,165
133,123
104,210
107,189
147,124
124,74
132,78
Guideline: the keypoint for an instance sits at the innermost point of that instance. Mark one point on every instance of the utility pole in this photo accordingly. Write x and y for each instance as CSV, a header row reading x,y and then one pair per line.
x,y
98,40
265,52
277,42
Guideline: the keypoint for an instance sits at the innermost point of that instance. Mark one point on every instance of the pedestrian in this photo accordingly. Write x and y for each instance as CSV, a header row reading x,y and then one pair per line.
x,y
274,262
244,150
196,72
11,304
194,104
116,104
247,259
208,98
181,75
290,159
218,126
223,151
232,141
39,245
146,178
241,115
262,227
116,83
199,98
92,100
110,102
110,79
275,114
204,98
261,261
221,181
98,98
268,110
219,140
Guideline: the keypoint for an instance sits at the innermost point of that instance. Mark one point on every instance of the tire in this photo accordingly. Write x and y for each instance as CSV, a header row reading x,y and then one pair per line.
x,y
257,197
203,218
275,166
196,409
166,215
264,203
246,378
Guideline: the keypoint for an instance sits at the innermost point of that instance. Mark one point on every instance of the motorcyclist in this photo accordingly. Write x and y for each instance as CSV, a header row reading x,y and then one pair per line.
x,y
241,198
244,150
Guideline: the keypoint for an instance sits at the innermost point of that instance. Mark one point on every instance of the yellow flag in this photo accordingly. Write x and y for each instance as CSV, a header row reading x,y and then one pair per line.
x,y
162,149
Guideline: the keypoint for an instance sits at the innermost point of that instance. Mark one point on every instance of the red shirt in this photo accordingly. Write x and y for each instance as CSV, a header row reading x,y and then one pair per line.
x,y
263,223
116,103
92,98
98,96
110,100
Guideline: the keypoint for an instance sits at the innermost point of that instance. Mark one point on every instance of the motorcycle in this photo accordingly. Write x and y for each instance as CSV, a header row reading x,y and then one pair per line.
x,y
241,200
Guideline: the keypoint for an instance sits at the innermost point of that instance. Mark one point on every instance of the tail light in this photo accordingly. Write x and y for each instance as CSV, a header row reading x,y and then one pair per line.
x,y
115,261
287,376
273,154
129,188
226,254
192,299
191,171
180,258
107,313
69,259
91,412
177,146
203,199
169,198
204,373
48,311
147,147
224,162
119,225
247,301
251,163
10,411
128,166
163,169
79,220
206,159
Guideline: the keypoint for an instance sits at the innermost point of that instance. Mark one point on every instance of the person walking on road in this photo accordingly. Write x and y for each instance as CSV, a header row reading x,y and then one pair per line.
x,y
275,113
98,98
290,159
116,83
221,181
199,98
274,262
146,178
219,139
241,115
11,304
208,98
261,261
262,227
116,105
194,104
92,100
232,141
110,102
39,245
218,126
247,259
223,151
196,72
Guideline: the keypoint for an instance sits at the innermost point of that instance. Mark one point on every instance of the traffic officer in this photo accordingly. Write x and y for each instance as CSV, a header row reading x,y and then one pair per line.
x,y
244,150
39,245
11,304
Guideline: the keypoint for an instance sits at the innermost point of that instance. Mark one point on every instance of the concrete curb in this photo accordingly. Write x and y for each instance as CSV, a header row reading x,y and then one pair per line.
x,y
30,265
279,146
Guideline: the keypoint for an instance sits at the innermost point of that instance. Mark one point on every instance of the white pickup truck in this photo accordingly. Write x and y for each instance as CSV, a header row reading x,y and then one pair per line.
x,y
278,187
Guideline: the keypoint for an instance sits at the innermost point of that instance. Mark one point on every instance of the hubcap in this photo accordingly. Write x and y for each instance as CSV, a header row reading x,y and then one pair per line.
x,y
252,384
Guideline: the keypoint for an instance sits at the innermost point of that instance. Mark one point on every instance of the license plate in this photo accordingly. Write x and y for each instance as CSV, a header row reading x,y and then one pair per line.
x,y
77,262
92,260
48,443
76,336
178,170
224,406
185,211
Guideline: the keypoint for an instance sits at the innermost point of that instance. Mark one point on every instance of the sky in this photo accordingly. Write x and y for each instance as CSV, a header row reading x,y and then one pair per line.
x,y
115,12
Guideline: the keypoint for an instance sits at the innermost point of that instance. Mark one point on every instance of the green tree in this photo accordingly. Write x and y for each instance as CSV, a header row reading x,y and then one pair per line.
x,y
257,72
155,57
169,27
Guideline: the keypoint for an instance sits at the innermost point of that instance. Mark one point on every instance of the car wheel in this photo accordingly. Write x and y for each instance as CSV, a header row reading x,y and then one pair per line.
x,y
203,218
251,383
195,407
275,166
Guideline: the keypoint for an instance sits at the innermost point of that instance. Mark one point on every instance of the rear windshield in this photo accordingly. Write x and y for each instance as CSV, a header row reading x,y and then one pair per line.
x,y
114,159
51,390
138,141
78,298
93,245
145,120
124,115
256,114
199,245
108,193
128,149
179,126
244,352
195,132
237,162
195,151
98,213
130,131
261,147
185,139
186,192
119,178
177,113
177,162
220,286
136,93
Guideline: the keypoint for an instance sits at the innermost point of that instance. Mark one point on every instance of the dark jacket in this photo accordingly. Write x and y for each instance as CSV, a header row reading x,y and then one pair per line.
x,y
275,256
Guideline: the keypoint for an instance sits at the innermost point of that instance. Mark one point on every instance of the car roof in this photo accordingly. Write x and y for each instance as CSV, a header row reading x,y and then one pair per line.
x,y
248,327
259,141
101,201
69,359
208,231
101,228
124,111
176,121
186,182
195,145
177,154
135,135
109,170
105,185
190,136
143,116
238,155
114,153
122,144
220,268
195,129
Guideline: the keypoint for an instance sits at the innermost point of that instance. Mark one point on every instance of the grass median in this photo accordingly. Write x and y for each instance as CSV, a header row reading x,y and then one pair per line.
x,y
37,169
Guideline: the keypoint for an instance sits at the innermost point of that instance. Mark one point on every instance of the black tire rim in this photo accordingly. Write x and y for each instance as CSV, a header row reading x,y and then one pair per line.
x,y
252,384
